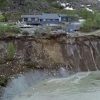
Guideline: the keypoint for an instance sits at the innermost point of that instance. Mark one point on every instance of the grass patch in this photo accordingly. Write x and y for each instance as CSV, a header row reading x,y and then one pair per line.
x,y
8,29
2,18
10,51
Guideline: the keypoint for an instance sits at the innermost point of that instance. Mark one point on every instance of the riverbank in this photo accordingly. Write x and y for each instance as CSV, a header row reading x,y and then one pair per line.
x,y
22,53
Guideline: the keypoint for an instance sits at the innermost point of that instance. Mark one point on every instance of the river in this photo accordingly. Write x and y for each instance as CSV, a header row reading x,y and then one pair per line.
x,y
54,85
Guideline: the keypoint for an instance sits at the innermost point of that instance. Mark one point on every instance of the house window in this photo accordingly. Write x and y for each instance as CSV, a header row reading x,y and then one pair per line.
x,y
25,19
41,20
36,19
56,19
49,20
32,19
64,19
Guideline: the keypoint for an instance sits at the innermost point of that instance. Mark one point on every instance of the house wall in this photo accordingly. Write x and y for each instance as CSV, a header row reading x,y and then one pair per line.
x,y
64,19
74,26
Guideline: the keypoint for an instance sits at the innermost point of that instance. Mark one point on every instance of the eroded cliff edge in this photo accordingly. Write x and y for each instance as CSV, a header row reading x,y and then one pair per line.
x,y
18,54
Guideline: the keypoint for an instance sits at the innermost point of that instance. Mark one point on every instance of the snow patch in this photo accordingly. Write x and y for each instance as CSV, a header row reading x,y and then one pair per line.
x,y
66,5
69,8
63,4
88,9
82,5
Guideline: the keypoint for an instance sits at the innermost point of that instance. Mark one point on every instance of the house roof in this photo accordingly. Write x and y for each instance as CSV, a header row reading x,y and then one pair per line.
x,y
43,16
31,16
49,16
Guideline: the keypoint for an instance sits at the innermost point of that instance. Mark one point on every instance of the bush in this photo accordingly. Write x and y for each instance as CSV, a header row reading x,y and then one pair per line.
x,y
3,3
92,21
86,14
41,31
56,5
8,29
10,51
97,21
2,18
3,81
88,25
25,33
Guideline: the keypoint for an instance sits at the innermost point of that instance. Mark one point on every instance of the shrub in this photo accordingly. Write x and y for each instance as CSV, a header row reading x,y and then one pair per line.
x,y
3,81
10,51
85,14
8,29
88,25
3,3
57,5
40,31
97,21
25,33
92,21
13,29
2,18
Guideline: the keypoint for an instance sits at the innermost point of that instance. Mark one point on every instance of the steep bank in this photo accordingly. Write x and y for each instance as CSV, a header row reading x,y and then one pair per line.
x,y
17,54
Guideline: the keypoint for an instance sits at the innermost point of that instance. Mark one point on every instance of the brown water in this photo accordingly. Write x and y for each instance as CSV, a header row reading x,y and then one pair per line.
x,y
39,85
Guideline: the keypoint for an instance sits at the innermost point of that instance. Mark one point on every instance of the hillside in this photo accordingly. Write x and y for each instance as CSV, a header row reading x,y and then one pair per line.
x,y
29,6
92,4
86,9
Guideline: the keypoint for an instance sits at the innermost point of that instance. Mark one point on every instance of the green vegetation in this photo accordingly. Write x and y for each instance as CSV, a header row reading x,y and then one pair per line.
x,y
3,81
8,29
86,14
10,51
15,16
25,33
92,20
87,26
56,5
47,6
42,31
3,3
2,18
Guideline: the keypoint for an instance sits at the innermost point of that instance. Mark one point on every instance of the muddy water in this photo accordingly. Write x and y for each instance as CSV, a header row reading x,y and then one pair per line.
x,y
54,85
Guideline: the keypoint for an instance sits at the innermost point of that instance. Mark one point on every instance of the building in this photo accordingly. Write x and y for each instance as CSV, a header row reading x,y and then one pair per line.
x,y
46,19
73,27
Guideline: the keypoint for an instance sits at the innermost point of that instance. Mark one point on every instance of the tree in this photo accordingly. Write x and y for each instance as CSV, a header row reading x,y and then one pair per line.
x,y
97,20
86,14
3,3
88,25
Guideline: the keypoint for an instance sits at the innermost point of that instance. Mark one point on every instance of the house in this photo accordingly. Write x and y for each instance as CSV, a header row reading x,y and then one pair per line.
x,y
69,24
30,19
48,19
73,27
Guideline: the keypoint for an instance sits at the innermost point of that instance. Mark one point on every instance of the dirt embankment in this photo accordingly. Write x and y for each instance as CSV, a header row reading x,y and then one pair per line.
x,y
19,54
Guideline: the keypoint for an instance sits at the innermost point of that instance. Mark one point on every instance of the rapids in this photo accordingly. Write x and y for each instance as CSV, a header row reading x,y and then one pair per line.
x,y
55,85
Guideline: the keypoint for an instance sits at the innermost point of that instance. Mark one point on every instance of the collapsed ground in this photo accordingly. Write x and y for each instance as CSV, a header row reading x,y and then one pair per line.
x,y
20,54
